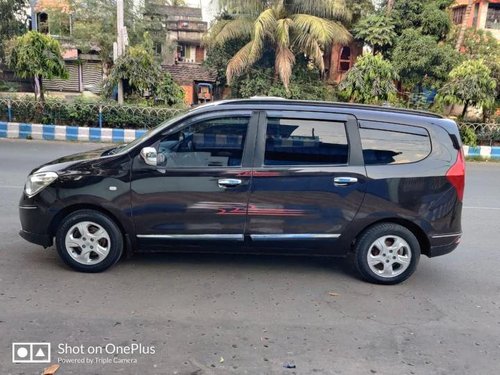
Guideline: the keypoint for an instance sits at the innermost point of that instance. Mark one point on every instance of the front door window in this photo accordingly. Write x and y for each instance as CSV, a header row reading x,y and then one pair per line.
x,y
211,143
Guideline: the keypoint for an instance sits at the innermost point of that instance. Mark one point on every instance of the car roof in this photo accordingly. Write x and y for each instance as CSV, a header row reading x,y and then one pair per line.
x,y
323,105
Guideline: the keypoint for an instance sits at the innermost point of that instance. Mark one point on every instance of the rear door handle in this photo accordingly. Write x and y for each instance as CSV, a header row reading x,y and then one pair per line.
x,y
228,182
344,181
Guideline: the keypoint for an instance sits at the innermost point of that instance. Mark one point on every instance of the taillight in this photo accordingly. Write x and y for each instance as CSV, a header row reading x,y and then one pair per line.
x,y
456,175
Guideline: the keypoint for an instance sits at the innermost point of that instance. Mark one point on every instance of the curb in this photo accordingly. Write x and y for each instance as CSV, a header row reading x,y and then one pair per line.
x,y
67,133
484,152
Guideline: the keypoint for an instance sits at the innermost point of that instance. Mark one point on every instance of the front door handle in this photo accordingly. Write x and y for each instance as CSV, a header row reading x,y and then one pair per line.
x,y
228,182
344,181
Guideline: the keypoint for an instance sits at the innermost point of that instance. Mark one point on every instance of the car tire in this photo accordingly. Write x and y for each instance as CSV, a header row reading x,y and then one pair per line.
x,y
89,241
386,253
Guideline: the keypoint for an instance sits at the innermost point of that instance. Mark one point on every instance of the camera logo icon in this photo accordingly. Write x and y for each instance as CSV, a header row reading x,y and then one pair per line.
x,y
31,352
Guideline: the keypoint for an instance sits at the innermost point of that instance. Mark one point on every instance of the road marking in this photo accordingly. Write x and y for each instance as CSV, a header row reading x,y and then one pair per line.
x,y
481,208
10,187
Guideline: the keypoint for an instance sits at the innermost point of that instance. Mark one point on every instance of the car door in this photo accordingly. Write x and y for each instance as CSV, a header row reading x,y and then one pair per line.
x,y
308,181
198,192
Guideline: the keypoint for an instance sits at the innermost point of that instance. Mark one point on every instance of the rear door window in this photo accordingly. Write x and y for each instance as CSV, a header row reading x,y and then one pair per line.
x,y
393,144
305,142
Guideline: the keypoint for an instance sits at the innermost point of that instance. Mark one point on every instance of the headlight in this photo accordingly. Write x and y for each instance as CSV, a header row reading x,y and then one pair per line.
x,y
38,181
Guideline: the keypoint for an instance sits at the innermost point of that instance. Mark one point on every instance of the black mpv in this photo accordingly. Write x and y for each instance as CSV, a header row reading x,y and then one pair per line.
x,y
262,176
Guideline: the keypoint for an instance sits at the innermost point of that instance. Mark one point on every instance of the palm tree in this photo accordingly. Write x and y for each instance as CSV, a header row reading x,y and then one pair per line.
x,y
288,27
463,27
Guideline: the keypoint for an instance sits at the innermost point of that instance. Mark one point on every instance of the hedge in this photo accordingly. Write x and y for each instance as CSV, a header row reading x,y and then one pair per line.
x,y
84,113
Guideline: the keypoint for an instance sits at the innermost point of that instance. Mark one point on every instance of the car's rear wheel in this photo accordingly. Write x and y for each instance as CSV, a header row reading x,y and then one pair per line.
x,y
387,253
89,241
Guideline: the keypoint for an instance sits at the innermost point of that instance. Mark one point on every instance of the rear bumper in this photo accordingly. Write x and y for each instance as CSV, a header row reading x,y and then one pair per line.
x,y
444,244
40,239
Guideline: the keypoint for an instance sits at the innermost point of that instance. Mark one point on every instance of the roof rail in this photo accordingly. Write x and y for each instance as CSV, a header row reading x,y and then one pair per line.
x,y
367,107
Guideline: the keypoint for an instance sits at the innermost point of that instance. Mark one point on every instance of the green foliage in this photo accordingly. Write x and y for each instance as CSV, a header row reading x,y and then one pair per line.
x,y
144,76
12,14
421,60
468,136
288,28
36,55
304,85
481,44
407,14
371,80
85,112
168,92
435,21
219,55
470,83
94,25
376,30
138,67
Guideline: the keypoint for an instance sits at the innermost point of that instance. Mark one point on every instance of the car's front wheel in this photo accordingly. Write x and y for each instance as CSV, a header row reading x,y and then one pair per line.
x,y
89,241
387,253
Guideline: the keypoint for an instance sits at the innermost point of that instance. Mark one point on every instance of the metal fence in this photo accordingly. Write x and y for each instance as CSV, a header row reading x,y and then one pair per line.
x,y
80,113
487,134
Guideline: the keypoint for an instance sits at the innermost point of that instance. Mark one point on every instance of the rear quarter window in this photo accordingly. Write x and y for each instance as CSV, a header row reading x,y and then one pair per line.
x,y
385,143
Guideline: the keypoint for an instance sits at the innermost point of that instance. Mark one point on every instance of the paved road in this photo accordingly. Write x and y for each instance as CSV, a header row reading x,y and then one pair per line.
x,y
216,314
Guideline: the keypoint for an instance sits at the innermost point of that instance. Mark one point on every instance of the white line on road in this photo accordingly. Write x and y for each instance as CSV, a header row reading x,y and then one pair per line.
x,y
10,187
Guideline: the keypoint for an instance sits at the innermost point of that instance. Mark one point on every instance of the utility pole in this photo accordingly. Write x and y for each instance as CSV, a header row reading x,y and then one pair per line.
x,y
120,44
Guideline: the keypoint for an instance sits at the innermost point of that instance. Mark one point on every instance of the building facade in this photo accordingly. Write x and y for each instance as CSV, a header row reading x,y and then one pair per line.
x,y
177,33
485,15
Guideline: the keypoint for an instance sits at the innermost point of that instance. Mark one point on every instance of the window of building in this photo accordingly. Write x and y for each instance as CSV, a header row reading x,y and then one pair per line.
x,y
458,15
43,23
344,59
493,16
210,143
157,48
305,142
393,144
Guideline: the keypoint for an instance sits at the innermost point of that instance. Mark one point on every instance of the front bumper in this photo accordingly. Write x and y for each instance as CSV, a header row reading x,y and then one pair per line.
x,y
35,222
40,239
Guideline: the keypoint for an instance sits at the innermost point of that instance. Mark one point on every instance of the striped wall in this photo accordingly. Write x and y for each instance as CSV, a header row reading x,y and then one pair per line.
x,y
67,133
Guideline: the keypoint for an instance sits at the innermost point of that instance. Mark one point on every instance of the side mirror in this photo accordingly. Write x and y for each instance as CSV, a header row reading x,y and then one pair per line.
x,y
150,156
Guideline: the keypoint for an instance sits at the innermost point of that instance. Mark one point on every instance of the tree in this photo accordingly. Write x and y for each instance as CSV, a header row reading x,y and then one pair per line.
x,y
36,55
470,83
12,17
287,28
376,30
143,75
420,60
168,92
435,21
463,27
138,67
481,44
371,80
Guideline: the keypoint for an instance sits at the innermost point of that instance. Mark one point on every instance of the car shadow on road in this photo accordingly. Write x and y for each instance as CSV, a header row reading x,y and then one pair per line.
x,y
276,263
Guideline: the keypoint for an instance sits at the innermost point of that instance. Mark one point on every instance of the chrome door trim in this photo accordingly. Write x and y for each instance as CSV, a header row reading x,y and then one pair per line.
x,y
304,236
447,235
234,237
